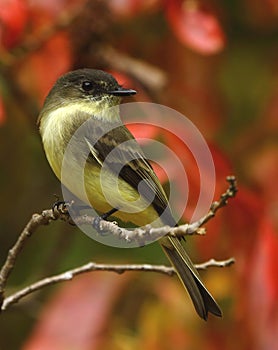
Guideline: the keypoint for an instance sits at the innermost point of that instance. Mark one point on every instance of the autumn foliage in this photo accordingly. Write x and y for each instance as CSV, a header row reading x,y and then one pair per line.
x,y
216,63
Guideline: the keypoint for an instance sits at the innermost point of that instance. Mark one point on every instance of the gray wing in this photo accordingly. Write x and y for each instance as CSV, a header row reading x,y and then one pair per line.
x,y
123,155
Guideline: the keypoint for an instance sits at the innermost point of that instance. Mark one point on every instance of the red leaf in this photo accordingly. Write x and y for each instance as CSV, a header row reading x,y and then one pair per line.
x,y
263,171
78,314
122,79
264,287
263,13
13,17
234,229
2,112
195,27
54,58
131,8
140,131
240,220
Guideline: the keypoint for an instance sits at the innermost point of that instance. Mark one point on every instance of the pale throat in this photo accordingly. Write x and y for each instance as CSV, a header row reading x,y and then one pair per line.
x,y
101,109
58,124
72,112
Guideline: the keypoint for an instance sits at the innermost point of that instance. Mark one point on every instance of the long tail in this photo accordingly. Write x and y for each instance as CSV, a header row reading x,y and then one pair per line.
x,y
201,298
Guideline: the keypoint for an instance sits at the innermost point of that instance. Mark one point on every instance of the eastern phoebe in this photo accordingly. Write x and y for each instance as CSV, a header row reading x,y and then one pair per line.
x,y
90,94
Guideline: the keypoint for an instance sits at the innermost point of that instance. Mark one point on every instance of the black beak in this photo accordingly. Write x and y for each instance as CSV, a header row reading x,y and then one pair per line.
x,y
122,92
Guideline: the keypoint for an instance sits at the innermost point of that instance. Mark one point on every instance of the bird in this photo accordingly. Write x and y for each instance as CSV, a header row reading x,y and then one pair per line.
x,y
90,94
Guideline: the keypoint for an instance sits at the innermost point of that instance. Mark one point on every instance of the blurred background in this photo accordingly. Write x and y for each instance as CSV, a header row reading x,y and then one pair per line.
x,y
215,62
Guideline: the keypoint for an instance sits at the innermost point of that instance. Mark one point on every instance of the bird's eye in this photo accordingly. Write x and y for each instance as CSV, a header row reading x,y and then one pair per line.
x,y
87,85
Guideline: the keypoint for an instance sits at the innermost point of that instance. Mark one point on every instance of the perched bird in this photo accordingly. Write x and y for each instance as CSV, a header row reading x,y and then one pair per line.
x,y
88,94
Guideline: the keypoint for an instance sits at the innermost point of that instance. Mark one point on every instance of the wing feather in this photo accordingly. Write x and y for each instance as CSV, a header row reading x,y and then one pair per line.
x,y
123,155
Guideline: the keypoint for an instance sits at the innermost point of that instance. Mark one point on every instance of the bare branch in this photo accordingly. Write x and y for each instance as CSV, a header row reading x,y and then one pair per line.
x,y
91,266
144,234
141,235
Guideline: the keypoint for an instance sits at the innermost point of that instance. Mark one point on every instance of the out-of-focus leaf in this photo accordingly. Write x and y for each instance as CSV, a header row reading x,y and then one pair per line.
x,y
263,289
127,82
158,332
187,182
233,231
2,112
141,131
191,88
123,79
192,170
131,8
13,17
262,13
214,242
41,70
51,7
78,315
199,101
195,26
263,171
271,112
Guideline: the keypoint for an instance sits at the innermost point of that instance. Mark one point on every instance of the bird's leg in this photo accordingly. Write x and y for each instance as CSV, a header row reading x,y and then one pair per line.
x,y
63,207
97,220
109,213
60,206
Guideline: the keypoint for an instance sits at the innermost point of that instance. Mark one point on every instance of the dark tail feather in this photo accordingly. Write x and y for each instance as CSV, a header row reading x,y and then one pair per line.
x,y
201,298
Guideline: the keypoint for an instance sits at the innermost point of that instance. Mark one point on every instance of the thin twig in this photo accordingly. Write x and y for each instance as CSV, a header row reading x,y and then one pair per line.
x,y
91,266
36,221
215,263
195,227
